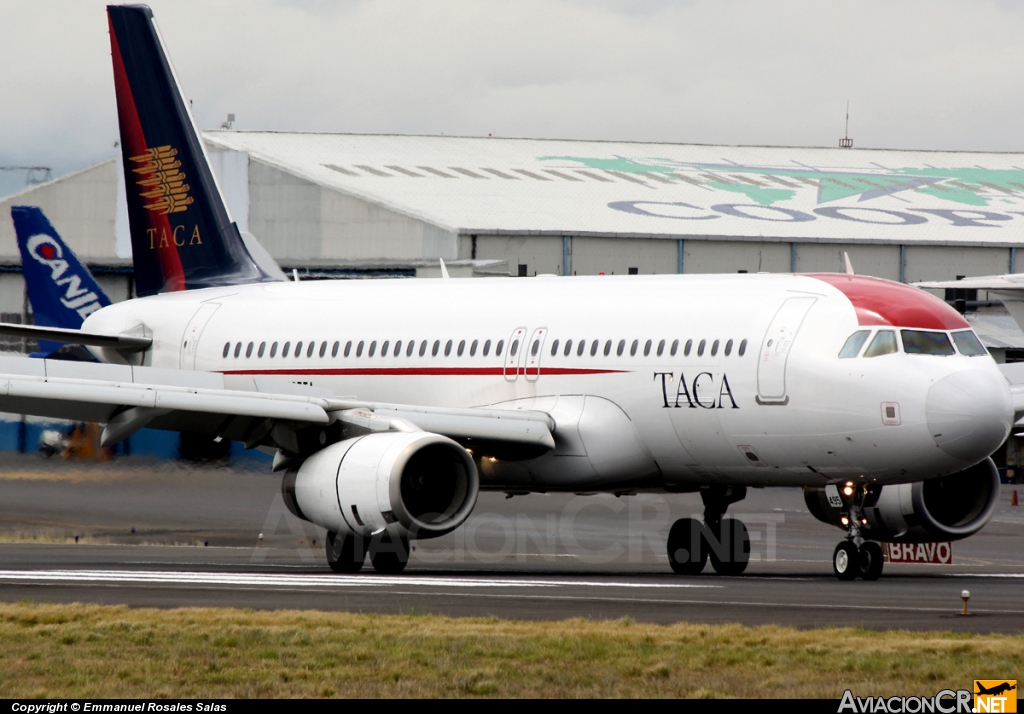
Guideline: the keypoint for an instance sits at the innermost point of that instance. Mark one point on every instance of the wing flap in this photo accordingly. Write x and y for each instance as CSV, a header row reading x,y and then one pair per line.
x,y
533,428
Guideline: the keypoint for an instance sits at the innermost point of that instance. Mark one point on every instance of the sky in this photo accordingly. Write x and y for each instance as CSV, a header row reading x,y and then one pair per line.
x,y
928,74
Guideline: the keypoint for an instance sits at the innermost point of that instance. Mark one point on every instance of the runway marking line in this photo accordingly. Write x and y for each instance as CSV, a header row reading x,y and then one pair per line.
x,y
304,581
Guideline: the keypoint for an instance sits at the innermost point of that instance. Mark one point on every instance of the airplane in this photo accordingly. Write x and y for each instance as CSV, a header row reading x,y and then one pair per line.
x,y
390,404
61,290
997,689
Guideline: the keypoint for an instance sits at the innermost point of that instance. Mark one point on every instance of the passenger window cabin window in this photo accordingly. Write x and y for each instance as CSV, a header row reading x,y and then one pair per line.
x,y
348,348
373,348
335,348
462,348
227,349
409,350
514,348
968,344
921,342
743,348
633,347
661,347
423,348
535,349
687,348
498,347
298,349
359,348
384,348
309,350
436,348
448,348
647,348
568,348
581,347
675,348
285,349
714,348
554,348
262,349
607,348
323,349
883,344
238,349
273,351
728,348
621,348
593,347
853,344
472,348
248,351
398,349
487,347
700,348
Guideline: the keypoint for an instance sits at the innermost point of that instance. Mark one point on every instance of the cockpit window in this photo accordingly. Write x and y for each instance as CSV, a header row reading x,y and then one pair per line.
x,y
853,344
967,343
919,342
883,344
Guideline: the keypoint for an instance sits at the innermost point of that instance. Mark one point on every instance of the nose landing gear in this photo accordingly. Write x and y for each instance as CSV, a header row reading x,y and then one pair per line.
x,y
856,557
723,541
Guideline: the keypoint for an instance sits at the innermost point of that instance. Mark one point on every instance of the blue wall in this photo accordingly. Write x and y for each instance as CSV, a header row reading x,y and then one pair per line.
x,y
152,443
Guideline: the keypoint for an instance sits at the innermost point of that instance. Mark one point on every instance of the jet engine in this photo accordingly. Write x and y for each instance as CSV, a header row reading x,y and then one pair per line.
x,y
413,484
939,509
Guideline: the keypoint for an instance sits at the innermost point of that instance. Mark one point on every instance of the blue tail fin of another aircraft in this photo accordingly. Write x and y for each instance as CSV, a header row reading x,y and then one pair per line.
x,y
182,234
62,290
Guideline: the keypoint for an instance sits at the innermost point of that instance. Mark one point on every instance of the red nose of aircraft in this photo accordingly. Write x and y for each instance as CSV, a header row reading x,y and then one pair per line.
x,y
969,413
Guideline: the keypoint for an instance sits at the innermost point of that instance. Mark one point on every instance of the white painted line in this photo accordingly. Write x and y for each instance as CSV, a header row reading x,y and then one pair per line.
x,y
315,581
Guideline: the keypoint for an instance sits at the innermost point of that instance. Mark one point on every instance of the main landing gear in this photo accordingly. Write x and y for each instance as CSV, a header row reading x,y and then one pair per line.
x,y
856,557
723,541
346,554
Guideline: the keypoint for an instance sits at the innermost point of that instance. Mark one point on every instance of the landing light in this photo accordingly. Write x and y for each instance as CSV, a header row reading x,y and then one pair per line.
x,y
845,521
848,489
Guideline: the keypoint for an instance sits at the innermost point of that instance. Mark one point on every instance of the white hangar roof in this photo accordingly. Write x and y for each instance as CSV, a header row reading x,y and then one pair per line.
x,y
494,186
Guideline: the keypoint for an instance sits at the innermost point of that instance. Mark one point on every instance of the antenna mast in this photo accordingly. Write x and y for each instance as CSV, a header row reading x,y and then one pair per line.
x,y
846,142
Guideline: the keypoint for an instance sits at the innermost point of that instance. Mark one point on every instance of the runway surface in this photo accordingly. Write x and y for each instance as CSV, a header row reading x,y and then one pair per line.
x,y
196,543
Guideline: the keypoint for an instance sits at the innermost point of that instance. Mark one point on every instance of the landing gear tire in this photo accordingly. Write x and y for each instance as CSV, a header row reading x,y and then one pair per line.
x,y
846,561
389,556
345,554
734,544
686,551
870,560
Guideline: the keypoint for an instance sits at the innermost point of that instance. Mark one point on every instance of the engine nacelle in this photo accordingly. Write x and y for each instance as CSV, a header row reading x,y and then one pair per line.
x,y
939,509
414,484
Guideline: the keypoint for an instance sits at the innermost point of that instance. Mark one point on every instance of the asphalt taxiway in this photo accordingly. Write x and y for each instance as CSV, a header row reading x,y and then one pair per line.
x,y
166,535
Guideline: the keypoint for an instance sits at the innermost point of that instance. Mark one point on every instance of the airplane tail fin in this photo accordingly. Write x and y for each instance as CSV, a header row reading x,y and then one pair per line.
x,y
182,234
62,290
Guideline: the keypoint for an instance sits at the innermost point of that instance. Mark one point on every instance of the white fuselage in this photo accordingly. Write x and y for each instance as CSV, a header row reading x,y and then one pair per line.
x,y
787,411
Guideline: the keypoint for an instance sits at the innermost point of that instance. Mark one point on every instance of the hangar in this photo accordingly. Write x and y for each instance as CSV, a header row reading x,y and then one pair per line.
x,y
344,205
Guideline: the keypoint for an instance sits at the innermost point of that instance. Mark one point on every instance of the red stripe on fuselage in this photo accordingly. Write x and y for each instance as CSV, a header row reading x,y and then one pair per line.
x,y
884,302
133,140
418,371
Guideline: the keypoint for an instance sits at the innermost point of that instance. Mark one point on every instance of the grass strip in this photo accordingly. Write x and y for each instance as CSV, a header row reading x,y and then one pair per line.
x,y
116,651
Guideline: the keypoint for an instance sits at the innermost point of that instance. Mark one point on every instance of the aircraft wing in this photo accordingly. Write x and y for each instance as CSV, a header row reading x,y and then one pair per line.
x,y
262,412
1012,281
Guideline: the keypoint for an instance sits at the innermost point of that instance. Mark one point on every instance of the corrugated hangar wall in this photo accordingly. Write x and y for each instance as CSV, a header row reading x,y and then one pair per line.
x,y
302,223
306,224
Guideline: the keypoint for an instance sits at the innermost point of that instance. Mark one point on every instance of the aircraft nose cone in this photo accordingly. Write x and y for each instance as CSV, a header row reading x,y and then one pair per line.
x,y
969,413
